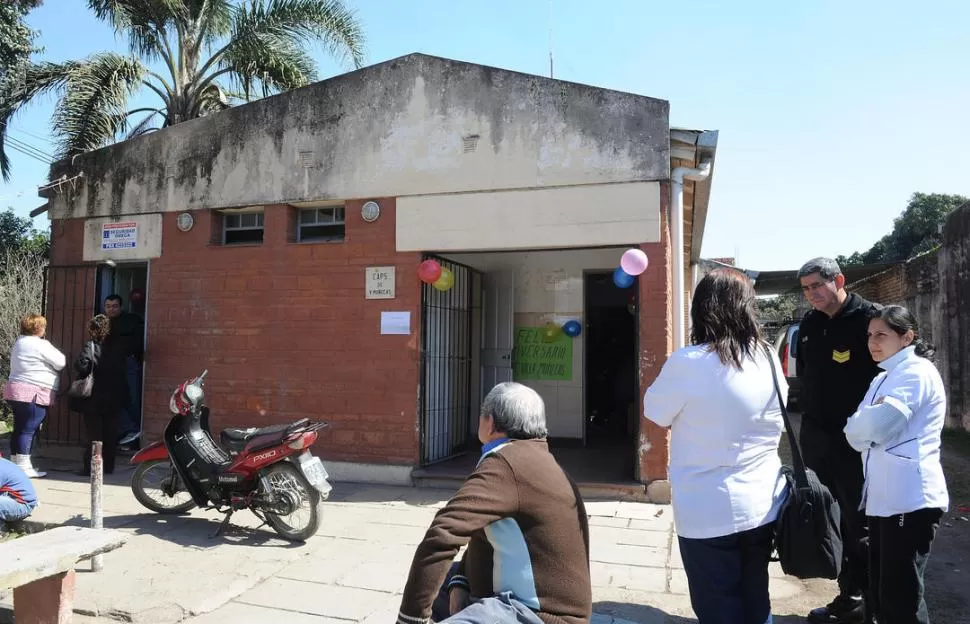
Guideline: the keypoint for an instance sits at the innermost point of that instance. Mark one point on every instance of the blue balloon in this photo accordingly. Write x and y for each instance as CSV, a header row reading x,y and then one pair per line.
x,y
572,328
622,279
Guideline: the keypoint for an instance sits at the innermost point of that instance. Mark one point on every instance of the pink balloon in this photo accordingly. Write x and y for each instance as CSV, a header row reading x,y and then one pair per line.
x,y
634,262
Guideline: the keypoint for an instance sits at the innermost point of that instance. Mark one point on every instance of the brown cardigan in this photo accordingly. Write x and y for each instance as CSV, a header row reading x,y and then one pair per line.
x,y
517,496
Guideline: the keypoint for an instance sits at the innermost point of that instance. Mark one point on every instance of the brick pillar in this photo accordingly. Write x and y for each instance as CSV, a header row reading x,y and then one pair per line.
x,y
47,601
656,340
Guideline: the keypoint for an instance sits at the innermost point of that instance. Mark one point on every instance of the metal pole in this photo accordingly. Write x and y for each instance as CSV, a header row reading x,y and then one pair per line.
x,y
97,513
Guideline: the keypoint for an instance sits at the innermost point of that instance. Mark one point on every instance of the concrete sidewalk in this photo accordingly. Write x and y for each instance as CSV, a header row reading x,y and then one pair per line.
x,y
353,571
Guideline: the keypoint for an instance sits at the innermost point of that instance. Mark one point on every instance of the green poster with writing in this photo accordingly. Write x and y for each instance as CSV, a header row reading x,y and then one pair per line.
x,y
533,359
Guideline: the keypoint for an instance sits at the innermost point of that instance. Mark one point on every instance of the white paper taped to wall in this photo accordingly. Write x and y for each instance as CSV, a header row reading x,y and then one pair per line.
x,y
396,323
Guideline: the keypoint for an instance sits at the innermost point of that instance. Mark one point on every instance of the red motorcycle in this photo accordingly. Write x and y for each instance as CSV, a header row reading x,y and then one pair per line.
x,y
268,470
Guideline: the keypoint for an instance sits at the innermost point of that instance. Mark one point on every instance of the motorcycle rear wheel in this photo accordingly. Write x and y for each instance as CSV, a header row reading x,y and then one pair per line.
x,y
167,504
289,483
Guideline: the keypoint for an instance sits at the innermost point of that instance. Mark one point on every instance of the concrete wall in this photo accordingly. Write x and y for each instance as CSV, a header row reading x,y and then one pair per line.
x,y
147,241
413,125
575,216
936,288
954,274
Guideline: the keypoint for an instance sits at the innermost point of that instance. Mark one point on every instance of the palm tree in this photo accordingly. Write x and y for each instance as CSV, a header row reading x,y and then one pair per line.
x,y
211,52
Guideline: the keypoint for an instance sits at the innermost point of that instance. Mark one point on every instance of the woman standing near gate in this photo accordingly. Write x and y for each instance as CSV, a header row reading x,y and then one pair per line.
x,y
104,356
34,367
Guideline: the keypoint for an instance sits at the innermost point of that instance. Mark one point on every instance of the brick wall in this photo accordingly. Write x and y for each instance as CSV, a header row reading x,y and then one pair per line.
x,y
286,332
656,340
886,287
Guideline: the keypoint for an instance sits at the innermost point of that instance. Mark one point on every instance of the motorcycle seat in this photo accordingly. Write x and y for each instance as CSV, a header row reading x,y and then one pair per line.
x,y
242,436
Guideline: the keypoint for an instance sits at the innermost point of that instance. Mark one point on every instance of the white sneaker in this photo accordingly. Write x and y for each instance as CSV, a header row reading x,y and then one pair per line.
x,y
23,462
129,438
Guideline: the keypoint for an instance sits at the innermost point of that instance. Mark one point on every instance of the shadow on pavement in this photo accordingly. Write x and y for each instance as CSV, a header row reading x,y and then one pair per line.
x,y
643,614
191,531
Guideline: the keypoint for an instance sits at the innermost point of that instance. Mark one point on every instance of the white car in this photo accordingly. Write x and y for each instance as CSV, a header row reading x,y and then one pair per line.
x,y
786,346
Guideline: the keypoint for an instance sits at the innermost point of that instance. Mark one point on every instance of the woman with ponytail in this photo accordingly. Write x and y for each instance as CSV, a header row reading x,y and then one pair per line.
x,y
897,429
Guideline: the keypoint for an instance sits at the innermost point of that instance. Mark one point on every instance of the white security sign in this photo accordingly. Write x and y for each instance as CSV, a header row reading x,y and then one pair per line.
x,y
122,235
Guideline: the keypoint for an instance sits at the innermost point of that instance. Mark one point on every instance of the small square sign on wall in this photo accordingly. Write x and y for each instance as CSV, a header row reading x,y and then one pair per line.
x,y
122,235
379,282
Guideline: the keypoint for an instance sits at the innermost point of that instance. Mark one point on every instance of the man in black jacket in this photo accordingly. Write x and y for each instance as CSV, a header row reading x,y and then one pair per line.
x,y
835,368
130,329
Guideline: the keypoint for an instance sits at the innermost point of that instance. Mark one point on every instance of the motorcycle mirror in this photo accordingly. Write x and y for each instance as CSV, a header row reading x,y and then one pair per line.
x,y
204,373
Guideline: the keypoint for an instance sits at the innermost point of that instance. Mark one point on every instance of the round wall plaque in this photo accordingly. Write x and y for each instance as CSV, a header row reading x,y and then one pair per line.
x,y
185,221
370,211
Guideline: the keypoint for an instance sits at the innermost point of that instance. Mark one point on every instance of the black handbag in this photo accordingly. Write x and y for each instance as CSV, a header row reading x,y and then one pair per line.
x,y
81,388
808,533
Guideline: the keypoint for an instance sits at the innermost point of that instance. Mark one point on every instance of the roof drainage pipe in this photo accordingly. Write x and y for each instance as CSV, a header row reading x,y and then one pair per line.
x,y
677,177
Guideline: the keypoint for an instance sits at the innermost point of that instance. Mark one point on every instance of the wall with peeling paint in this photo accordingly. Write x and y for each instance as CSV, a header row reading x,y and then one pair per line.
x,y
413,125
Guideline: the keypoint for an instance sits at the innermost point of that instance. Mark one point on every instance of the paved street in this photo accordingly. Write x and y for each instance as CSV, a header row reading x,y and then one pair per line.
x,y
171,570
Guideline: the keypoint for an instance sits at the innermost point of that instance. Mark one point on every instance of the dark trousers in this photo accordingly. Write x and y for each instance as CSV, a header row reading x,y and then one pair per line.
x,y
899,548
130,419
728,576
26,421
839,468
101,425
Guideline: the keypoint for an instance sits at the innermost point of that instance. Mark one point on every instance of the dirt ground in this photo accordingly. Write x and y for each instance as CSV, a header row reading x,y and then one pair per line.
x,y
948,572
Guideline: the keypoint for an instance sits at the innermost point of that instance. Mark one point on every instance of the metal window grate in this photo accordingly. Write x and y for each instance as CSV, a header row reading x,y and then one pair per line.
x,y
446,366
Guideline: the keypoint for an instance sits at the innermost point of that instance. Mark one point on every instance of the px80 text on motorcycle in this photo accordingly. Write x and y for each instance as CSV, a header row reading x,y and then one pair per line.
x,y
268,470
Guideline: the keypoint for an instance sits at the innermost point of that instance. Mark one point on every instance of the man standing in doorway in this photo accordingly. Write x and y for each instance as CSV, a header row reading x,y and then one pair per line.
x,y
131,328
836,368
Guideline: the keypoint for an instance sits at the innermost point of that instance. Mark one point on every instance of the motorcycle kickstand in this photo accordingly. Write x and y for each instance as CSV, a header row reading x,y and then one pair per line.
x,y
224,525
260,516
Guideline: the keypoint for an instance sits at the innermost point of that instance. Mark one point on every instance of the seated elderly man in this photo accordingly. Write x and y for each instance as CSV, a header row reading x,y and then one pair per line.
x,y
525,525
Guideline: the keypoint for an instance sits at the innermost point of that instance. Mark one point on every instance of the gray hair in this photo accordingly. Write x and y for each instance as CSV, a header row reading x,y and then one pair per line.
x,y
827,268
518,411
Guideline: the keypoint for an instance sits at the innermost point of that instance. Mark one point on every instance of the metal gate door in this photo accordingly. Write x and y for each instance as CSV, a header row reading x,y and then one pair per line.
x,y
68,304
446,365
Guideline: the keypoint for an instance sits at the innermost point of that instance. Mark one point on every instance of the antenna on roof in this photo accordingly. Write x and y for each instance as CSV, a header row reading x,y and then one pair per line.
x,y
550,40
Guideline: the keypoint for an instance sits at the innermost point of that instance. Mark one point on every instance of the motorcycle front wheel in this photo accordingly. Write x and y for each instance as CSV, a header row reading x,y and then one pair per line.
x,y
296,516
158,487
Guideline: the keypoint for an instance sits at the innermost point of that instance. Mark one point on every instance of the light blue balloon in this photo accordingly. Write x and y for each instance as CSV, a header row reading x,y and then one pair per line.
x,y
622,279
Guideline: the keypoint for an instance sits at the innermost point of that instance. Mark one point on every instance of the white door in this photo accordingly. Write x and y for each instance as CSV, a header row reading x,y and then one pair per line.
x,y
498,332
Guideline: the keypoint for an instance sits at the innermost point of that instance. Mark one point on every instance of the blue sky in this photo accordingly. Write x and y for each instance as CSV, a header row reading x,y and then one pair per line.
x,y
830,113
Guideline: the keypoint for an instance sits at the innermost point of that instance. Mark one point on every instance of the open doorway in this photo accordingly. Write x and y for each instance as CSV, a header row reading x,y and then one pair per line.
x,y
519,293
129,282
611,364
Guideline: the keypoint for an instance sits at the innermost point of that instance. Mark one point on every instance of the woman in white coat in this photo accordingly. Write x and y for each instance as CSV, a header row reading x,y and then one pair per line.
x,y
897,429
718,397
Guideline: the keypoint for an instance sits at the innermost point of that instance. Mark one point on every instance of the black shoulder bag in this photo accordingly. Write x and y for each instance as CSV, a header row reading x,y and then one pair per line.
x,y
808,535
81,388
